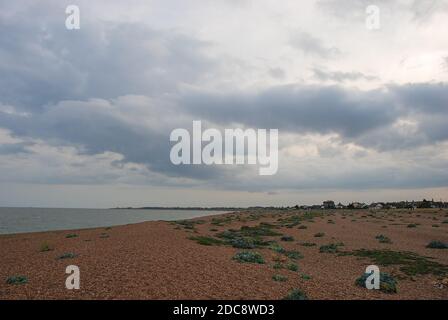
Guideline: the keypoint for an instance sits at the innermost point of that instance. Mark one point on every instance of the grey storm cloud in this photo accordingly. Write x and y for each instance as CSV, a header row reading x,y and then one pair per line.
x,y
366,117
340,76
46,63
15,148
122,87
97,126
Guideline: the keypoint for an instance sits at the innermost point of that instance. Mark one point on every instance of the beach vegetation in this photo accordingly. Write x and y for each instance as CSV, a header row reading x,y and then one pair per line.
x,y
279,278
330,248
307,244
207,241
388,284
437,245
44,247
296,294
292,266
17,280
71,235
383,239
248,257
409,263
67,255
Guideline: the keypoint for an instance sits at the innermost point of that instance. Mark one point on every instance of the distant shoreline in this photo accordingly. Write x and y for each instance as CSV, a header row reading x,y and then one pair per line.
x,y
182,208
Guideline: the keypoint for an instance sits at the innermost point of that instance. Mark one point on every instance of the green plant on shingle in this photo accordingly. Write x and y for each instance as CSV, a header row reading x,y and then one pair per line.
x,y
319,234
292,266
383,239
437,245
71,235
293,254
44,247
277,248
206,241
302,227
17,280
67,255
248,257
278,265
330,248
296,294
279,278
387,283
307,244
410,263
243,243
305,277
412,225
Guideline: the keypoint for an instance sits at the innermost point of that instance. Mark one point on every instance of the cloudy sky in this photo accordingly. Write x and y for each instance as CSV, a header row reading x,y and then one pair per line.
x,y
85,115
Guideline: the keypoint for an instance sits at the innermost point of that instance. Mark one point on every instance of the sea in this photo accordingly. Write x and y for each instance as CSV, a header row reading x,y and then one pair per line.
x,y
21,220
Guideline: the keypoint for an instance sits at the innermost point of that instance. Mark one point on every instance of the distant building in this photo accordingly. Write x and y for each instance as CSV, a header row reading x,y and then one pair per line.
x,y
376,206
357,205
329,204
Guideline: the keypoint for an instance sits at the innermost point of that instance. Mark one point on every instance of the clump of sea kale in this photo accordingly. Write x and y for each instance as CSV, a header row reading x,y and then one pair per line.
x,y
437,245
387,283
249,257
296,294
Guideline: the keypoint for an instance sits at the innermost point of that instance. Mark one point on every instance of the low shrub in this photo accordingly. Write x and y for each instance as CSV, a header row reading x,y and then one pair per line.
x,y
44,247
437,245
287,238
248,257
387,283
296,294
278,265
277,248
206,241
383,239
330,248
243,243
319,235
17,280
292,266
293,254
279,278
305,277
67,255
308,244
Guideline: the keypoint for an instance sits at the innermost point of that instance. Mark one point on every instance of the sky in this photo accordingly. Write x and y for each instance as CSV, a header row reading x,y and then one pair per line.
x,y
86,114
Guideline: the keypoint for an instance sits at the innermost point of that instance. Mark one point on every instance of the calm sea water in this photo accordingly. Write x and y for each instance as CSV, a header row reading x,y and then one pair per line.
x,y
17,220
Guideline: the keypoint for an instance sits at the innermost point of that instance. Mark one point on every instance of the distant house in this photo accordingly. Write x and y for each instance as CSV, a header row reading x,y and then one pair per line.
x,y
376,206
357,205
329,204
